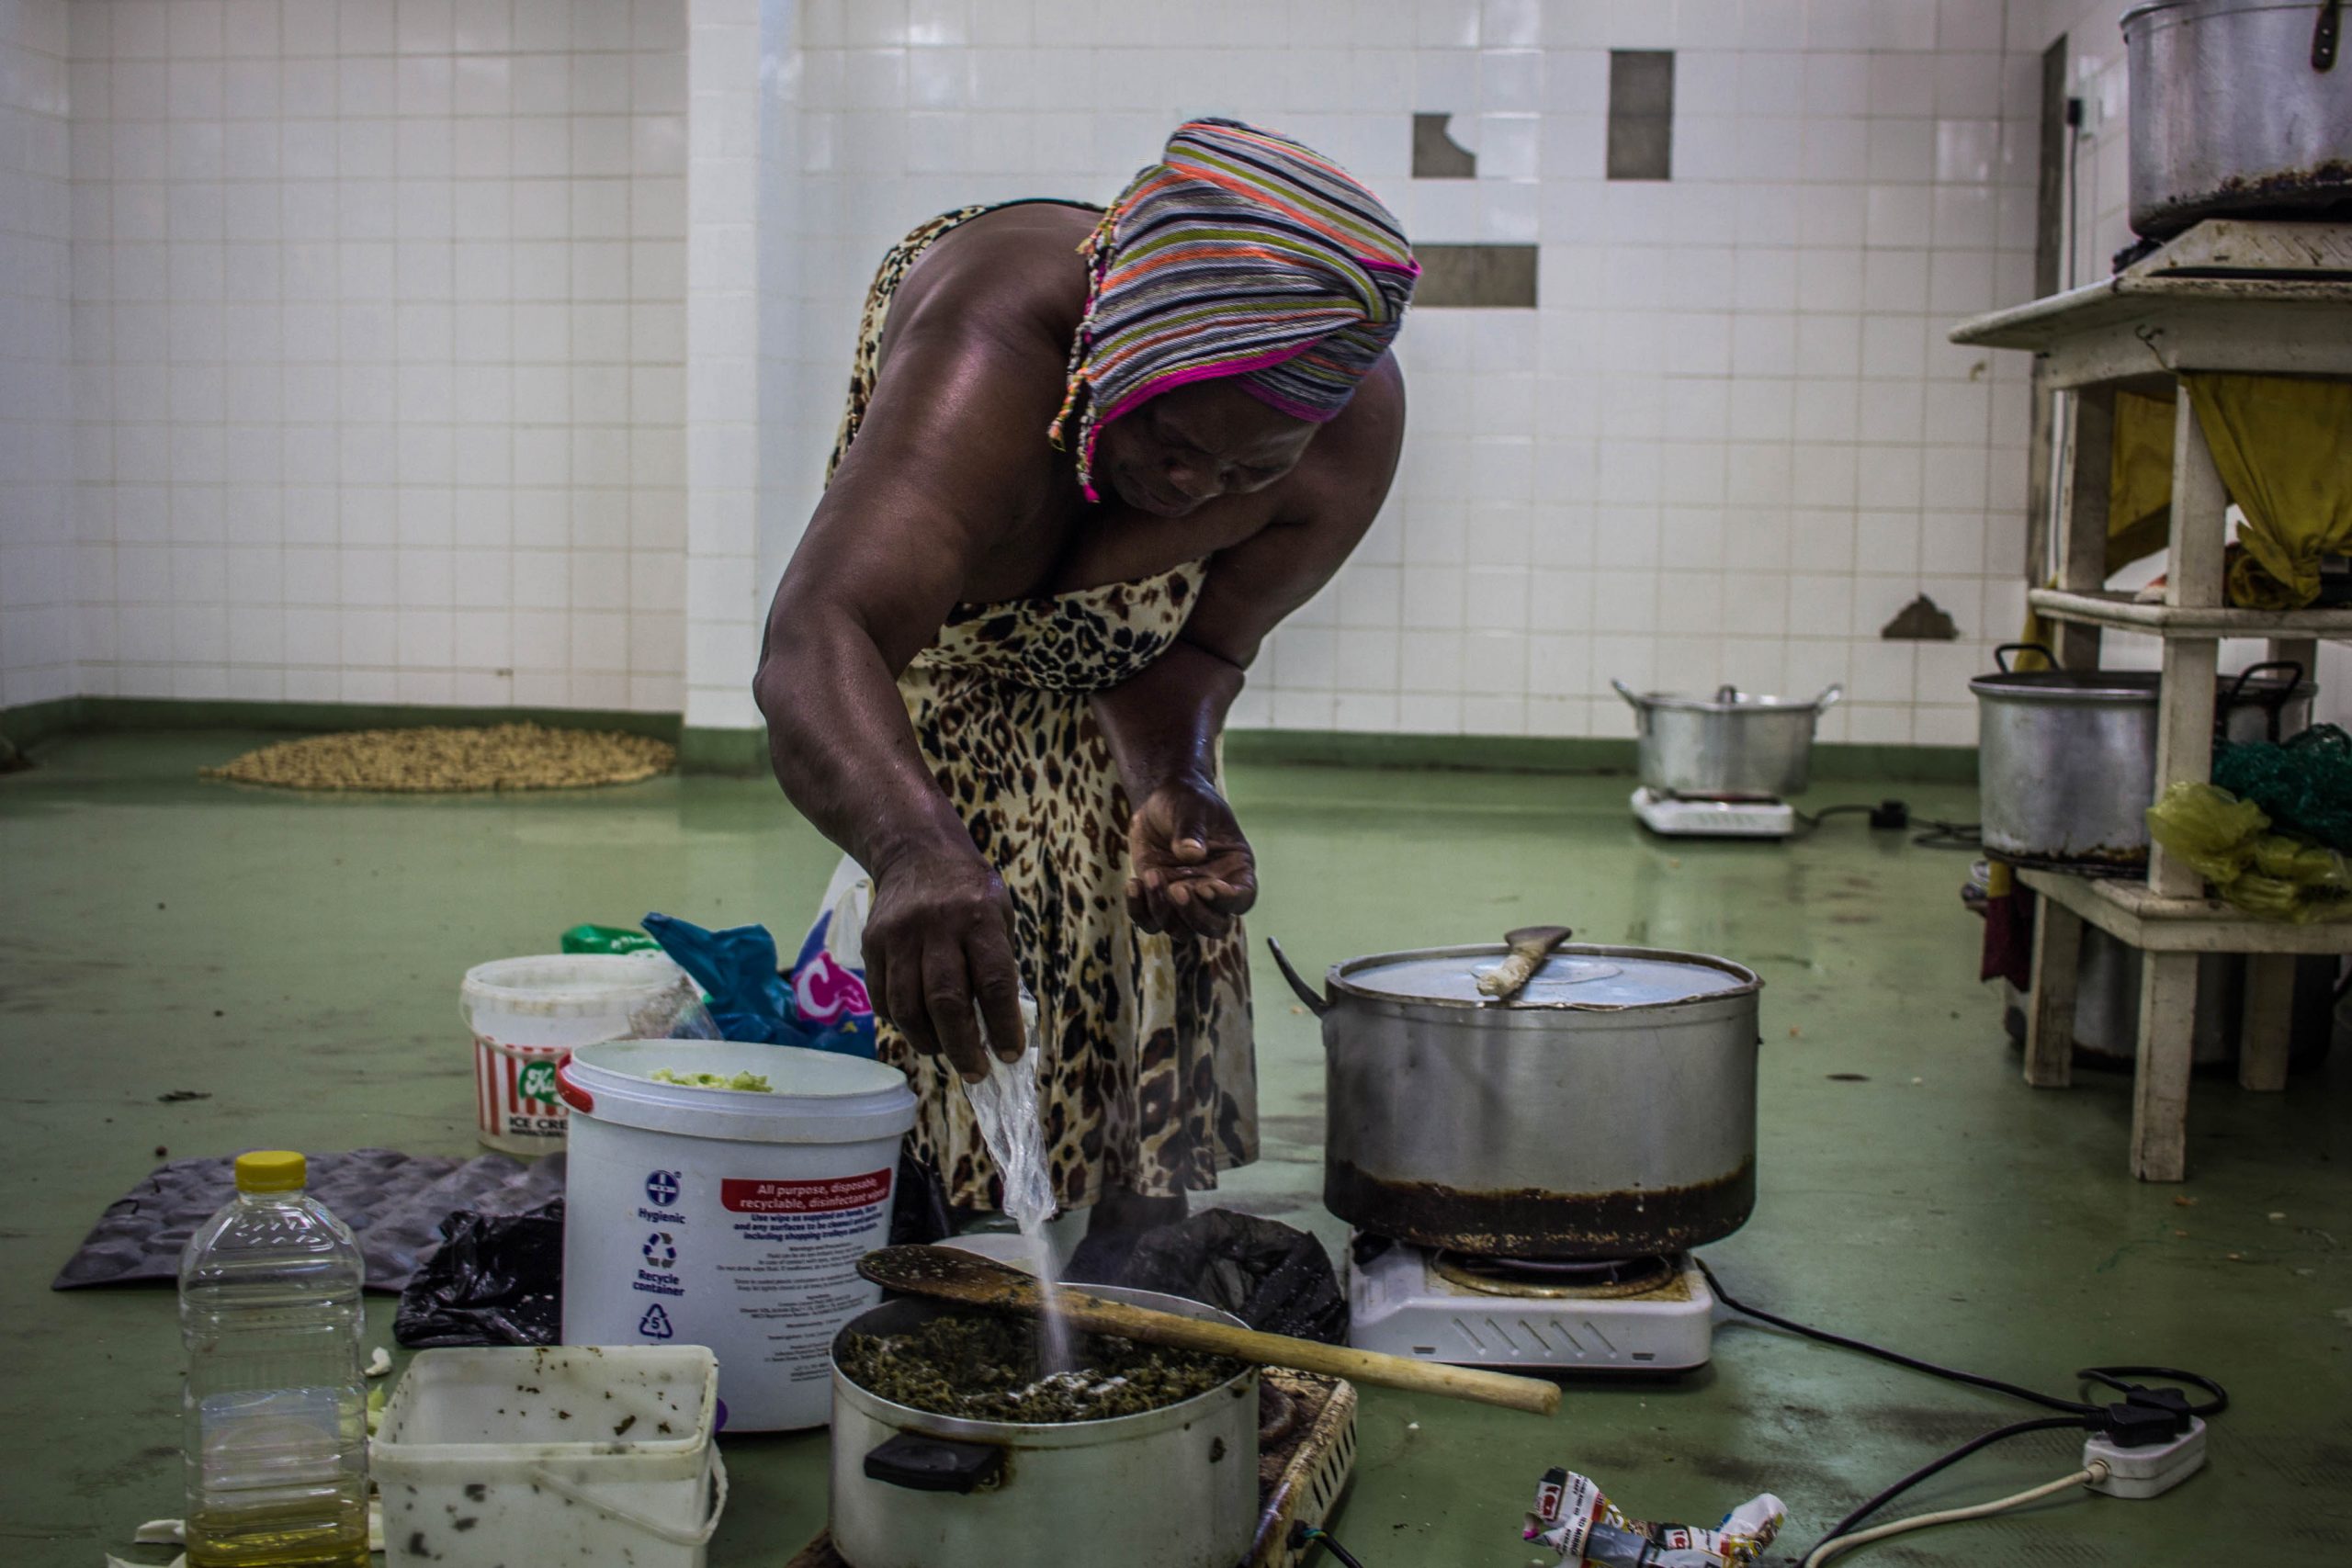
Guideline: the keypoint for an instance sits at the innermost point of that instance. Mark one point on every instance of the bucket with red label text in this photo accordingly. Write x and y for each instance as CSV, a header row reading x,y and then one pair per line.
x,y
729,1216
527,1015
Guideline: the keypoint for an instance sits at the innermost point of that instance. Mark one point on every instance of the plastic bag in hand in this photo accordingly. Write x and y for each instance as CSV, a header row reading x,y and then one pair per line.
x,y
1005,1105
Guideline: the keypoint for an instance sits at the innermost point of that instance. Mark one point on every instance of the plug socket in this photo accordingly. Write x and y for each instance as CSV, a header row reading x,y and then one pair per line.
x,y
2148,1470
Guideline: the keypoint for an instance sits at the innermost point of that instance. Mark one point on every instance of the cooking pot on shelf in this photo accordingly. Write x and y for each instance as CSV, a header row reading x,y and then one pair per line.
x,y
2239,108
1175,1487
1733,744
1606,1110
2067,758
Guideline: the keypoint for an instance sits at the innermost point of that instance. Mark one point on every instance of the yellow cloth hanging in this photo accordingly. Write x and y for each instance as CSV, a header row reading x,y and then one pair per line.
x,y
2283,445
2139,491
2139,496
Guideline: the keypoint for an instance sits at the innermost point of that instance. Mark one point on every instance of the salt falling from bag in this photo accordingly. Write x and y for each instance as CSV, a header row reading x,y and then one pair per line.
x,y
1005,1105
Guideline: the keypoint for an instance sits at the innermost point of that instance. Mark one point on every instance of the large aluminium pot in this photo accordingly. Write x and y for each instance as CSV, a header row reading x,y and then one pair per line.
x,y
2067,758
1734,744
2239,108
1175,1487
1609,1110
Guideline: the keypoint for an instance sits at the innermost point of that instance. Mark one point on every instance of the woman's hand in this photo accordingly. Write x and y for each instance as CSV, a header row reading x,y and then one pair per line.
x,y
1190,870
940,938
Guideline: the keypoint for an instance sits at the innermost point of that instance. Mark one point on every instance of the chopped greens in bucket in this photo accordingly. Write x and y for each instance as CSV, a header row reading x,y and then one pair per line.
x,y
750,1083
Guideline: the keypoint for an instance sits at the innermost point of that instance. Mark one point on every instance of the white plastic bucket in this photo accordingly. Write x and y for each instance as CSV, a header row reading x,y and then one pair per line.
x,y
571,1454
527,1015
725,1218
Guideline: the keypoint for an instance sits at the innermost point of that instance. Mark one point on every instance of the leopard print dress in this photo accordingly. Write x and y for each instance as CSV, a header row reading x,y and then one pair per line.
x,y
1150,1077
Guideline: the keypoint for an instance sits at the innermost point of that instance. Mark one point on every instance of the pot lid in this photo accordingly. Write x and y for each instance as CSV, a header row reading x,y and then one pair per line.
x,y
1728,699
2062,684
1574,977
2124,685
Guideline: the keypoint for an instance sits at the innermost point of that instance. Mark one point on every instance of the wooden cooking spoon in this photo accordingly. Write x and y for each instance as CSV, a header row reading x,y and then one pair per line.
x,y
1529,946
951,1275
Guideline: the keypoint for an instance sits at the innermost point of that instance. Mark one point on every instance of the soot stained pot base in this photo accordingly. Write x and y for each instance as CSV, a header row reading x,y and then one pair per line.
x,y
1533,1224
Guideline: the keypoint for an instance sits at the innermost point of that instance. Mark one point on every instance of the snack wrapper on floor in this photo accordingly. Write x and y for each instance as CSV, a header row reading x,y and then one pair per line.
x,y
1005,1105
1573,1518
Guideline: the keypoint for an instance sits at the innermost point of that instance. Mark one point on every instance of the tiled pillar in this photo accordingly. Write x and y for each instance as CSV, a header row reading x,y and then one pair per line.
x,y
724,54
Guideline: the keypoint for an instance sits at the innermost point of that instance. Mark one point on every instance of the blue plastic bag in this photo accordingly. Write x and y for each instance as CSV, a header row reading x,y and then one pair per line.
x,y
819,1003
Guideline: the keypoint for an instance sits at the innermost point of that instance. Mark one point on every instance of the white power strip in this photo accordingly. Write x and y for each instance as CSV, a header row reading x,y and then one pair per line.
x,y
2148,1470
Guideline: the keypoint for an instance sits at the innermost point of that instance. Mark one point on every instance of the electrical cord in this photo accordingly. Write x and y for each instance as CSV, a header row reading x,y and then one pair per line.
x,y
1303,1534
1951,1374
1815,818
2143,1416
1897,814
1951,836
2091,1474
1983,1441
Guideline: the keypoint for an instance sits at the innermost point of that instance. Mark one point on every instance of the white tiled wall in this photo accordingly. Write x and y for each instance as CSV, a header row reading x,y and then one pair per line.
x,y
488,350
731,57
379,336
36,438
2100,150
1729,446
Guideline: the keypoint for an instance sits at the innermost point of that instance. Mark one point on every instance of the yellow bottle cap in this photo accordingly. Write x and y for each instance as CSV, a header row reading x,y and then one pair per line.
x,y
271,1170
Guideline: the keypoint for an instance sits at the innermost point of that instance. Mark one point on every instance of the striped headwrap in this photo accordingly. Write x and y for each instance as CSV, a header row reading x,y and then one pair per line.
x,y
1240,253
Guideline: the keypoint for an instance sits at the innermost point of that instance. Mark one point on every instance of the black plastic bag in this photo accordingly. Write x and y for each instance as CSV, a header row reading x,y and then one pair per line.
x,y
1272,1277
920,1213
497,1279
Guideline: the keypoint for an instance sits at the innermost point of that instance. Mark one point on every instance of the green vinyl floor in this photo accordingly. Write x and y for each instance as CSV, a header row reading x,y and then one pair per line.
x,y
297,958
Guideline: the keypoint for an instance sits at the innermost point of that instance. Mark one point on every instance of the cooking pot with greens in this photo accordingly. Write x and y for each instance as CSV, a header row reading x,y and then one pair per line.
x,y
1170,1487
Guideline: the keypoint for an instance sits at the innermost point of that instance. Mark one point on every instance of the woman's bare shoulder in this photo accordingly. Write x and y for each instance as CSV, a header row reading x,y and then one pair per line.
x,y
1012,274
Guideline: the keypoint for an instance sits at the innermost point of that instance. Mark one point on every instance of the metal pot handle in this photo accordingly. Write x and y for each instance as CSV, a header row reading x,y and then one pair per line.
x,y
1315,1004
2273,705
2001,654
1629,694
1829,699
932,1464
2324,32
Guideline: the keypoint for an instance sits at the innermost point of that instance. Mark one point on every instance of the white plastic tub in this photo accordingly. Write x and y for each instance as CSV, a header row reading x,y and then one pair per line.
x,y
731,1219
581,1455
526,1016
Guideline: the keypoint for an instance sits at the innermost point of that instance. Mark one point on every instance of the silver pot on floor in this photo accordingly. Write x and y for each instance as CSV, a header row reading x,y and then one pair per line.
x,y
2239,108
1175,1487
2067,758
1735,744
1608,1110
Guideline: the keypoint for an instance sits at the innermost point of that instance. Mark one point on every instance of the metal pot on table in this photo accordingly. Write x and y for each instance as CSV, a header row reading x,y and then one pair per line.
x,y
1175,1487
1734,744
2067,758
1608,1110
2239,108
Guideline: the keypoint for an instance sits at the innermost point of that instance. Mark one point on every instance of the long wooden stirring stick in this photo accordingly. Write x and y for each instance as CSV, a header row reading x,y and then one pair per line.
x,y
948,1274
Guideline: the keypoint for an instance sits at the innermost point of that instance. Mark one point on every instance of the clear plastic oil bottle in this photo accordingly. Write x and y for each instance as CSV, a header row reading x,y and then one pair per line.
x,y
275,1415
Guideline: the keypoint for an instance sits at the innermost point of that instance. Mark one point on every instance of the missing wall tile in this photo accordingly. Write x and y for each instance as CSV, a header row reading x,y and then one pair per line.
x,y
1922,620
1641,114
1482,275
1436,155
